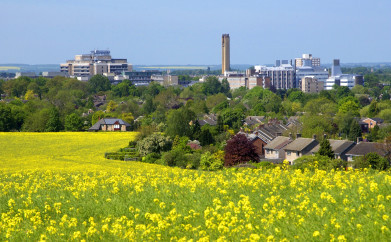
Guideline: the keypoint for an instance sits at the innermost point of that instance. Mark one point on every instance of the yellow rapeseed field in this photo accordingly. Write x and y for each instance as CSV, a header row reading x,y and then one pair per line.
x,y
58,186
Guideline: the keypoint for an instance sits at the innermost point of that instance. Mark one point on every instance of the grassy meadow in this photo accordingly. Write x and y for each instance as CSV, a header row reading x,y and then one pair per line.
x,y
58,186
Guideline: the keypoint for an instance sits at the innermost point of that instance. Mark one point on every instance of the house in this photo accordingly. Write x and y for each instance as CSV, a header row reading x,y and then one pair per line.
x,y
298,148
257,141
210,119
110,124
372,122
253,120
274,150
269,131
339,147
364,148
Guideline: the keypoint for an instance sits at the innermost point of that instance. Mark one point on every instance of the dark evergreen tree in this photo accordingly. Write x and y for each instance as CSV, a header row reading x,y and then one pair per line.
x,y
325,149
355,131
196,130
206,138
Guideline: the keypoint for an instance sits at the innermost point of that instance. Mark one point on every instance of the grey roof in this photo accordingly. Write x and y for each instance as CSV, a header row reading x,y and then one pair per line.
x,y
210,119
364,148
109,121
338,146
278,143
299,144
251,120
268,132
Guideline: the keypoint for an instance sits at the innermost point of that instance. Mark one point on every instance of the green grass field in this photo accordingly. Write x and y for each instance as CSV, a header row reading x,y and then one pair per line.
x,y
58,187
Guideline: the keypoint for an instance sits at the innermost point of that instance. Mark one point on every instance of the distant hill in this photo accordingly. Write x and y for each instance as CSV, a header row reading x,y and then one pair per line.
x,y
29,68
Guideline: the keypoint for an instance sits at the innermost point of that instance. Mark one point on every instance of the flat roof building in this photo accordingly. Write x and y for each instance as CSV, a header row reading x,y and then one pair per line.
x,y
97,62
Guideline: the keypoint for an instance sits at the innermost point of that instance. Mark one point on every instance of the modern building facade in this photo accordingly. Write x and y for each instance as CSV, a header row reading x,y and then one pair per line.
x,y
310,84
225,64
339,79
307,59
282,76
97,62
236,81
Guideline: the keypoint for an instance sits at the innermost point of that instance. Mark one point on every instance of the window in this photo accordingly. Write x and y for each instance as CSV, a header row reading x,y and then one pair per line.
x,y
288,153
116,126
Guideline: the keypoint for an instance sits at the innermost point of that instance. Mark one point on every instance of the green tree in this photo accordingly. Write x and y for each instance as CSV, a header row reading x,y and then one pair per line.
x,y
325,149
373,109
206,138
211,86
99,83
178,122
54,123
355,131
6,120
73,122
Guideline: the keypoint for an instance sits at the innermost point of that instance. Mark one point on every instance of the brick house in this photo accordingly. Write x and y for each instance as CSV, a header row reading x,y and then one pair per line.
x,y
110,124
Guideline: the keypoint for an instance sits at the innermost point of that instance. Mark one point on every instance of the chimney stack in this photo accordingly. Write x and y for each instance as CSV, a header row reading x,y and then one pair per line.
x,y
314,136
298,135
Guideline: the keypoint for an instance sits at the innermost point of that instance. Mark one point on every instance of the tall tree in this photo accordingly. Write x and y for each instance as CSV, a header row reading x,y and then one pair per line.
x,y
325,149
99,83
54,123
355,131
178,122
73,122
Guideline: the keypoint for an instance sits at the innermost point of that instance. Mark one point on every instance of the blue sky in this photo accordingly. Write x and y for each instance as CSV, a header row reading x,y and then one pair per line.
x,y
189,32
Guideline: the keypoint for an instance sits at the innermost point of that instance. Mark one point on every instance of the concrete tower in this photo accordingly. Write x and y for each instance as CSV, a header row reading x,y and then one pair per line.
x,y
225,64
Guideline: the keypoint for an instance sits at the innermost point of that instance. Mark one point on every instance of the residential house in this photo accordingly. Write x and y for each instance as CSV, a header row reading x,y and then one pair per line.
x,y
372,122
210,119
364,148
274,150
298,148
270,131
250,121
257,141
110,124
339,147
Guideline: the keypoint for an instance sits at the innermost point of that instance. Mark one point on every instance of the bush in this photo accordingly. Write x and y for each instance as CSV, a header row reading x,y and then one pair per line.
x,y
371,160
174,158
154,143
151,158
320,162
193,160
212,162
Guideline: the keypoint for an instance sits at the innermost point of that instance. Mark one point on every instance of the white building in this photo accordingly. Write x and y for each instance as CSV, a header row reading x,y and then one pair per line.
x,y
313,61
343,80
282,76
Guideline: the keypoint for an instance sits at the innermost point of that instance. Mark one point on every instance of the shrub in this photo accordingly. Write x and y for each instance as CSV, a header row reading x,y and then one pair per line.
x,y
151,158
174,158
212,162
154,143
371,160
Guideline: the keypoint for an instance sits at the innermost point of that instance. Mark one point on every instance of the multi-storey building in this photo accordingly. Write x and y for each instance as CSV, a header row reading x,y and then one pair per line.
x,y
307,59
309,84
236,81
97,62
282,76
339,79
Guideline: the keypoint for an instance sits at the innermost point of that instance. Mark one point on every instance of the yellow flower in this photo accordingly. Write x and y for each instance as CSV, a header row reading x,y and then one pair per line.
x,y
316,234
